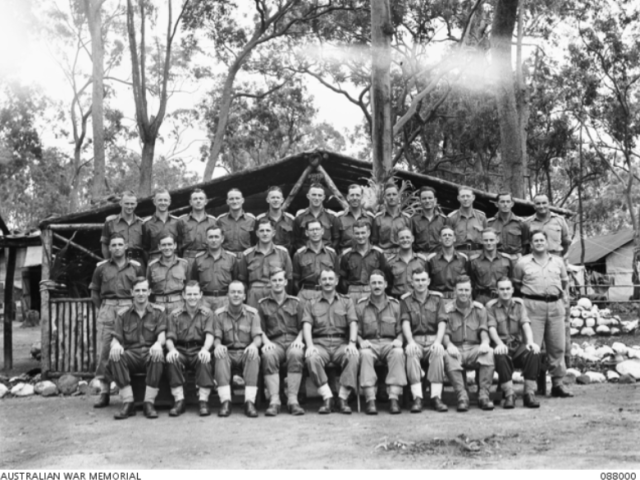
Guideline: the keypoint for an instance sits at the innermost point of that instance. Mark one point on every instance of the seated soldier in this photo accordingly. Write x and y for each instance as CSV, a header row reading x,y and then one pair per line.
x,y
281,322
330,329
237,339
380,340
189,342
136,346
467,342
509,325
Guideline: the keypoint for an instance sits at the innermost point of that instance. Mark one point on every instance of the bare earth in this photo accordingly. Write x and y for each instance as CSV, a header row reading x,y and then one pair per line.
x,y
598,429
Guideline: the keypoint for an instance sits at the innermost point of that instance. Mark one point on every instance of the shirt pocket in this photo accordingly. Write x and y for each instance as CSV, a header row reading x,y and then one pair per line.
x,y
130,330
149,331
388,327
244,334
340,317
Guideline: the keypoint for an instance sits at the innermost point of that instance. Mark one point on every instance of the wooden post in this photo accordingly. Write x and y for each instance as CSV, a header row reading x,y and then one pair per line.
x,y
9,309
381,129
296,188
332,187
76,226
47,241
79,247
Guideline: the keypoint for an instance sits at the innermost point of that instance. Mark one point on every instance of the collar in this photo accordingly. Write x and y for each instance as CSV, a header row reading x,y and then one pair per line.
x,y
174,261
385,302
320,250
120,217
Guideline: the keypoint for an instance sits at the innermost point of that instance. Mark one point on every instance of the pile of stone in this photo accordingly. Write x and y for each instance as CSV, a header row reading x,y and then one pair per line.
x,y
27,384
617,363
589,320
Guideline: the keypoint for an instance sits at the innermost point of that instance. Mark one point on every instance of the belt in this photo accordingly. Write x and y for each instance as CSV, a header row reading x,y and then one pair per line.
x,y
543,298
174,297
189,344
359,288
117,301
425,338
215,293
191,253
340,337
310,286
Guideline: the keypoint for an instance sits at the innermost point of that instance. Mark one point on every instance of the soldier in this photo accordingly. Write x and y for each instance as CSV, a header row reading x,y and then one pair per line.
x,y
281,322
403,263
487,267
237,340
357,263
468,223
111,287
167,274
189,342
129,225
256,263
380,340
192,226
330,330
552,224
237,225
282,221
158,225
349,216
510,331
424,332
542,279
513,231
310,260
388,222
136,346
215,269
428,222
445,265
467,343
316,211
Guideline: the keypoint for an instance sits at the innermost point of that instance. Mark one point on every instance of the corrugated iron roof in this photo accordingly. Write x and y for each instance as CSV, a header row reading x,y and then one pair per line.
x,y
599,247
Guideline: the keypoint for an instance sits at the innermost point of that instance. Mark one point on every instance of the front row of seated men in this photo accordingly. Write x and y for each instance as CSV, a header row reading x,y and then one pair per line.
x,y
449,335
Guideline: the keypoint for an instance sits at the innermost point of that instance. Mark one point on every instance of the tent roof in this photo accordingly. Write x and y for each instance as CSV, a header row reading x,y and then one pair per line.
x,y
597,248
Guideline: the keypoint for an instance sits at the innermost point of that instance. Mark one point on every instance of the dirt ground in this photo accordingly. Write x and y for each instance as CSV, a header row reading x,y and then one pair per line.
x,y
597,429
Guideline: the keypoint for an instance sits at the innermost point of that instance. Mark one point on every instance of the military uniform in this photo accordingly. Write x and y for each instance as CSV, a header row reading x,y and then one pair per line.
x,y
513,234
214,276
508,321
137,335
281,323
443,273
307,267
426,232
385,230
238,233
283,227
330,331
403,270
255,270
167,281
188,335
380,328
356,268
556,229
192,234
468,229
132,233
346,219
114,286
485,274
153,228
464,330
331,236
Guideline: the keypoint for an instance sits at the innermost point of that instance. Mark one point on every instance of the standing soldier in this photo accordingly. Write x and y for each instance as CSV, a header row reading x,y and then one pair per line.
x,y
282,221
467,343
357,263
111,287
257,262
316,211
380,340
192,226
281,322
214,270
129,225
237,225
237,340
487,267
447,264
389,222
330,330
468,223
159,224
510,330
513,231
167,275
349,216
552,224
136,346
310,260
428,222
424,332
403,263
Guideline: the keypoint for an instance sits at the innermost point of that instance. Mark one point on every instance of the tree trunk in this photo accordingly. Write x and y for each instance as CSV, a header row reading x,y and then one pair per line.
x,y
74,194
146,167
522,97
504,22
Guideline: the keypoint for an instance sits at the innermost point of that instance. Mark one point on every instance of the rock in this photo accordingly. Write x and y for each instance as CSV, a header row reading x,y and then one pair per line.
x,y
631,367
67,384
587,332
590,322
577,322
94,386
36,379
583,380
50,391
517,377
36,351
574,331
83,387
573,372
615,331
24,378
604,351
626,379
603,330
612,376
40,386
633,353
23,390
619,348
596,377
3,390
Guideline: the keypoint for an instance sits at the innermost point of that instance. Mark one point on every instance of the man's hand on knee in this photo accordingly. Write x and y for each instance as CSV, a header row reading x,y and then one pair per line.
x,y
173,356
116,352
220,352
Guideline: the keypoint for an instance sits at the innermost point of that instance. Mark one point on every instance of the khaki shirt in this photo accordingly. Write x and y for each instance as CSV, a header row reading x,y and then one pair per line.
x,y
376,324
427,232
113,282
329,222
166,279
507,319
134,332
182,328
356,268
277,319
283,227
556,229
386,226
485,273
540,278
423,317
214,273
443,273
117,224
330,318
238,234
308,264
346,219
236,332
255,266
153,228
192,233
468,228
464,327
513,234
402,271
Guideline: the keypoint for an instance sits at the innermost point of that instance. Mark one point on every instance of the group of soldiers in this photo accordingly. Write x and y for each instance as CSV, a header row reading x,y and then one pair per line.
x,y
239,293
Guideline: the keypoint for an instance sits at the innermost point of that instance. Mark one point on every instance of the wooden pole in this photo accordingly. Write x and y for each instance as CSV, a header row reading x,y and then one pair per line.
x,y
9,309
79,247
296,188
332,186
45,316
381,128
76,226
